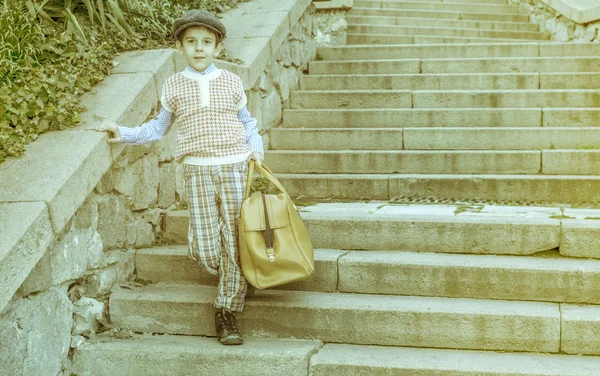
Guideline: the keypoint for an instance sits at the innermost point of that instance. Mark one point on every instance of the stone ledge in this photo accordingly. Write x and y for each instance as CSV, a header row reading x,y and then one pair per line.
x,y
580,11
254,39
59,169
41,191
26,235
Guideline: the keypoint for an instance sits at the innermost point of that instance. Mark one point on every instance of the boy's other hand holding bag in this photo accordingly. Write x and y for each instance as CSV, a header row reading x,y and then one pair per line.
x,y
257,157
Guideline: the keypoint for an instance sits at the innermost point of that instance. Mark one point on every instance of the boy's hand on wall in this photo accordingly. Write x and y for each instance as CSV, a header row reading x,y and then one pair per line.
x,y
113,130
258,157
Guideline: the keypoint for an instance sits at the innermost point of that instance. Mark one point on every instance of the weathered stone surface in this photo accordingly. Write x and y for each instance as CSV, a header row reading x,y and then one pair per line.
x,y
580,329
87,314
288,80
166,147
284,55
571,162
152,216
167,185
176,227
411,117
516,188
67,261
112,221
100,282
171,264
127,99
331,29
498,138
39,328
565,21
26,236
182,355
160,63
346,139
62,169
77,341
342,360
342,186
145,171
272,111
580,238
140,233
365,52
348,318
12,362
404,161
490,235
470,276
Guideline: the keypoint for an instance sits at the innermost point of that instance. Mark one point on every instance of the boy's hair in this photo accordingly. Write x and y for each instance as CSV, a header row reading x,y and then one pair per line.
x,y
202,18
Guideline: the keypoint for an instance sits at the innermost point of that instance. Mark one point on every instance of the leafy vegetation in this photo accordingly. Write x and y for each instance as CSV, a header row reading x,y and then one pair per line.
x,y
52,51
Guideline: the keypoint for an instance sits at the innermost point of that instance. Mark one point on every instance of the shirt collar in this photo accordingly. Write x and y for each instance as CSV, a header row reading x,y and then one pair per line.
x,y
208,74
208,70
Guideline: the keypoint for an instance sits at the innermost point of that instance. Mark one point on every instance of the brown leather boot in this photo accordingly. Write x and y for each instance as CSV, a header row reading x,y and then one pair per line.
x,y
227,330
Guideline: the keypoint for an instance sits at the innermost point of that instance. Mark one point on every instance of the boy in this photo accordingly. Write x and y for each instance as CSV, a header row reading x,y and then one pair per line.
x,y
216,136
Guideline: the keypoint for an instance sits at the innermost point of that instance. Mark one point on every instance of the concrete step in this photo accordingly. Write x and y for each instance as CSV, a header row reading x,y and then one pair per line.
x,y
469,81
469,227
443,31
531,162
303,99
342,360
469,14
347,318
455,65
172,264
462,24
503,9
434,138
185,355
516,189
413,162
439,51
553,278
379,39
441,117
478,2
423,228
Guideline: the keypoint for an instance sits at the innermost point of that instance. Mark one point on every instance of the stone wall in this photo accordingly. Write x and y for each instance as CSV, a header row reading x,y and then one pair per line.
x,y
270,94
560,28
331,27
65,298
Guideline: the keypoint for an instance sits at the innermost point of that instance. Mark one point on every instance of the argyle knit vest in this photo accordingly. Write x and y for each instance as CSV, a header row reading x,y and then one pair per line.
x,y
206,110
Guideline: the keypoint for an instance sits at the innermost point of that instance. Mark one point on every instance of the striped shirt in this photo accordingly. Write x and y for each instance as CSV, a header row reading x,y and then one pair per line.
x,y
156,128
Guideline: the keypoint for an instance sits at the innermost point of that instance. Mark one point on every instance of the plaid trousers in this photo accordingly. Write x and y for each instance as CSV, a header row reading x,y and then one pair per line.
x,y
215,195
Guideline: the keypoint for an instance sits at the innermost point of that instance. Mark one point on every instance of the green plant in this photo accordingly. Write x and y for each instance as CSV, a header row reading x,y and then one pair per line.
x,y
52,51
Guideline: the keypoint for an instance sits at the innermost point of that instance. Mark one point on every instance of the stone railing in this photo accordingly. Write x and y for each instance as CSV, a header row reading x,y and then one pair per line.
x,y
74,208
565,20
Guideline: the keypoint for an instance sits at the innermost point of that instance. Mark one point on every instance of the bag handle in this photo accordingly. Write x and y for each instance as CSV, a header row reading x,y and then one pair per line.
x,y
264,171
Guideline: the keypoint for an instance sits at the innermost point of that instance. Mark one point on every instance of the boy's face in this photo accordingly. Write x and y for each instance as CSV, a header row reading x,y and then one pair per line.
x,y
199,46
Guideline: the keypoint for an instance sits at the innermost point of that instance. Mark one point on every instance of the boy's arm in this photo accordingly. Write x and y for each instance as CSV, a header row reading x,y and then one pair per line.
x,y
252,137
150,131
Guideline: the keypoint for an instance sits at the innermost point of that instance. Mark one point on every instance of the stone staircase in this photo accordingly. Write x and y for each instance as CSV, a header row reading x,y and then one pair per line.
x,y
452,102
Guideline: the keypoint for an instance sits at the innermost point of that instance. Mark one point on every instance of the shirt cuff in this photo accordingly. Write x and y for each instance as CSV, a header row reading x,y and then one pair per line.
x,y
128,135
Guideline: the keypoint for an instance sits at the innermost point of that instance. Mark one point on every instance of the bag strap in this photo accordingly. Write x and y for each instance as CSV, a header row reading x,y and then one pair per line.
x,y
264,171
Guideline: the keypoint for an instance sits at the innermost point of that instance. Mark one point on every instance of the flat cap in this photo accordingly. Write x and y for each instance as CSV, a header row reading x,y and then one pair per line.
x,y
199,17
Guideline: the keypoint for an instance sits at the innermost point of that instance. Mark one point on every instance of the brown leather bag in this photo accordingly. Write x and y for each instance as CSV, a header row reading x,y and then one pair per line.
x,y
275,247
